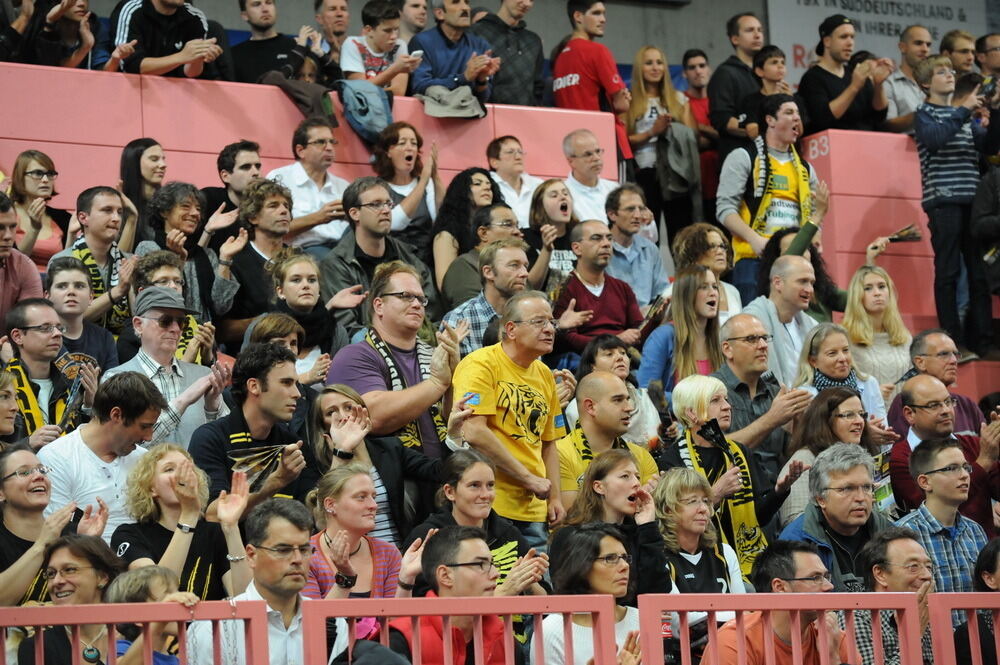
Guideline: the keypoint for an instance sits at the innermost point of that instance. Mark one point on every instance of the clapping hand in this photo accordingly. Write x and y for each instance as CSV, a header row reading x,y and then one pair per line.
x,y
347,298
349,432
570,318
230,505
93,521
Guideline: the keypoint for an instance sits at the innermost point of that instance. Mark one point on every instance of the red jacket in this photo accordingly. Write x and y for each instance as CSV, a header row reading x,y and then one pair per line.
x,y
984,484
432,645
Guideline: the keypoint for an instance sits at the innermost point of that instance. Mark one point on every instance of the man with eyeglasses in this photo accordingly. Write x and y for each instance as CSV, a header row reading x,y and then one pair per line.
x,y
366,245
988,55
930,411
318,218
960,46
193,392
785,566
952,540
840,518
635,259
505,156
93,462
590,288
45,394
894,561
761,407
462,280
457,563
934,353
586,161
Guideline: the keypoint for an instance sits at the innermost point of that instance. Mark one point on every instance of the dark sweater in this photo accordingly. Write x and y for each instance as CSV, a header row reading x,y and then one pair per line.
x,y
819,87
615,310
730,84
254,57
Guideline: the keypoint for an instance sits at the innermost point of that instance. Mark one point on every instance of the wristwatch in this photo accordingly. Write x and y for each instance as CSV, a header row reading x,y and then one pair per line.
x,y
342,454
345,581
185,528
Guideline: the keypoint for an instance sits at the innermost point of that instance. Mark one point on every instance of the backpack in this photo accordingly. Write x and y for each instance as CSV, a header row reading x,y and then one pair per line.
x,y
367,107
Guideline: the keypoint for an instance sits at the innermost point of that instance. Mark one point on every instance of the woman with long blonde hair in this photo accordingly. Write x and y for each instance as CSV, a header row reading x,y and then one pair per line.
x,y
880,341
655,106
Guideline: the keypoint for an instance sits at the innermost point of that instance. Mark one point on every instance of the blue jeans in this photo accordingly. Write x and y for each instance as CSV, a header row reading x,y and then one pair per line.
x,y
535,534
744,278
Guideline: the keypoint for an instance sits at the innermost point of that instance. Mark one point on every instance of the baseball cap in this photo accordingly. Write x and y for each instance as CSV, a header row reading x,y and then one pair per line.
x,y
826,28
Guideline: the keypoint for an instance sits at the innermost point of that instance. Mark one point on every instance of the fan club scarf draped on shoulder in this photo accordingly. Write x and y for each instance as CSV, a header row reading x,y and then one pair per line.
x,y
739,509
119,313
409,434
27,401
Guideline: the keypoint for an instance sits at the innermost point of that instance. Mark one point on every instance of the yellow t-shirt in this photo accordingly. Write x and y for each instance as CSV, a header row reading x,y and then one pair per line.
x,y
572,465
784,211
523,410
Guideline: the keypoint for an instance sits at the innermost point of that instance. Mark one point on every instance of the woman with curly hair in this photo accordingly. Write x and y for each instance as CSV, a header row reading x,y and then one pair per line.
x,y
415,187
880,342
834,416
453,234
707,245
167,496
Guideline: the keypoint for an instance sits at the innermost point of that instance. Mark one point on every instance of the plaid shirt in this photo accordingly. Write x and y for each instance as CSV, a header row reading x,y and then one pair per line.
x,y
479,313
890,638
519,80
170,384
953,551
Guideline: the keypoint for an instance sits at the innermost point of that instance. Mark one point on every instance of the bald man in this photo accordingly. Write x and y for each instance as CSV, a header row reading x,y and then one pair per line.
x,y
930,411
783,313
605,414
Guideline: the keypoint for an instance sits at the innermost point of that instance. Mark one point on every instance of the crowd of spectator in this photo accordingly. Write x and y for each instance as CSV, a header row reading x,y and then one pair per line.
x,y
296,386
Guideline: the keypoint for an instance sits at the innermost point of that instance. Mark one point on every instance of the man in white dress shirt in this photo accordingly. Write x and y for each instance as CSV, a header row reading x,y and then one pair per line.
x,y
506,158
586,161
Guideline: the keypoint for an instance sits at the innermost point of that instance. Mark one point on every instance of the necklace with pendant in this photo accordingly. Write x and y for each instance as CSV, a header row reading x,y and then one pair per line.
x,y
90,653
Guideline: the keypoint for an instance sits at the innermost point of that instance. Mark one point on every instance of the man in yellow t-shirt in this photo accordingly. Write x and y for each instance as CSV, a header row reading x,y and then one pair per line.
x,y
516,415
605,413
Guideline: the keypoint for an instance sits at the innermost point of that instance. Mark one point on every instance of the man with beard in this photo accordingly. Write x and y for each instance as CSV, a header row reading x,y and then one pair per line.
x,y
503,269
365,246
902,91
960,47
461,281
616,311
266,49
91,464
837,98
453,56
767,186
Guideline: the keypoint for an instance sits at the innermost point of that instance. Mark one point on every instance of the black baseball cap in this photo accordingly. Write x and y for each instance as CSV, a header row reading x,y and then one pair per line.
x,y
826,28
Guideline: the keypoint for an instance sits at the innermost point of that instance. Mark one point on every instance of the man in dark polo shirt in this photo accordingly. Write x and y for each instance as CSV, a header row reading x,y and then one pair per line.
x,y
171,38
761,406
238,165
265,388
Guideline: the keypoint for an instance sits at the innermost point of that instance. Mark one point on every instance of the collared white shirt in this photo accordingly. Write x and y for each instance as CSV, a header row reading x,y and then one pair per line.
x,y
914,440
284,644
307,198
519,202
588,202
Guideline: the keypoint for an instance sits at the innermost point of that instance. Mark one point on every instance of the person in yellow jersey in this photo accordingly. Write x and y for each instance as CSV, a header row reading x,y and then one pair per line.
x,y
605,415
516,417
757,196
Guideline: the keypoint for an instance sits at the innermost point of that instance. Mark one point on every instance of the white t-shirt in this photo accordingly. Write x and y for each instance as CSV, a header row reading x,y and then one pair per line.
x,y
356,57
400,220
583,637
78,474
645,154
44,395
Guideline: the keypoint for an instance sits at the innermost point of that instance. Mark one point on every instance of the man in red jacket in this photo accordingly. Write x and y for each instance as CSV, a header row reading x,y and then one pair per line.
x,y
930,412
456,563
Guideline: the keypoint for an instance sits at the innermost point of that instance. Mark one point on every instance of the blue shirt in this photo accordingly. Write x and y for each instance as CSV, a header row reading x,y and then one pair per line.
x,y
641,267
444,61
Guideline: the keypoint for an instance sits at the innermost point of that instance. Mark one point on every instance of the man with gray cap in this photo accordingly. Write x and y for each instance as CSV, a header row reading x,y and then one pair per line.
x,y
193,392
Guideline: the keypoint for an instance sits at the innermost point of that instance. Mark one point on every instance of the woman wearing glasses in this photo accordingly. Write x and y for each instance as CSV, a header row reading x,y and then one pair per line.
x,y
42,231
453,234
696,559
835,415
79,570
296,285
167,495
590,559
415,187
704,244
689,344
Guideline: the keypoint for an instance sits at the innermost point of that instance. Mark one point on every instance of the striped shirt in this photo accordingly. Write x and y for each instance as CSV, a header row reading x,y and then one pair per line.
x,y
385,570
170,383
948,142
384,528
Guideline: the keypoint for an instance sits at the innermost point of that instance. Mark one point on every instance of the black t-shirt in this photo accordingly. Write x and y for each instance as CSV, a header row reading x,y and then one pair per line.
x,y
561,261
253,58
13,548
819,87
214,197
96,345
369,263
206,561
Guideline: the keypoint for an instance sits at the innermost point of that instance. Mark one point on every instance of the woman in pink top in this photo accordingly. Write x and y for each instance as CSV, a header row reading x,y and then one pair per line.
x,y
42,231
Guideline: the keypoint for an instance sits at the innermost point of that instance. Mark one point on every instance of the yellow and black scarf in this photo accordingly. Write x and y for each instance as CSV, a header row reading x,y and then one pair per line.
x,y
114,319
187,334
582,446
409,434
739,509
35,415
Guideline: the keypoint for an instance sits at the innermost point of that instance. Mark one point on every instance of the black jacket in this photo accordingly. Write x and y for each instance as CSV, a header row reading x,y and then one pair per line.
x,y
396,463
730,84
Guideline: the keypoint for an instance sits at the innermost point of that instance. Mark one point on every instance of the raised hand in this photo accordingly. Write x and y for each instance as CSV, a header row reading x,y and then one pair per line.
x,y
566,388
233,245
460,412
43,435
292,464
571,318
821,200
185,483
54,524
230,505
527,570
645,507
409,567
124,50
175,243
217,382
875,249
220,220
795,469
349,432
347,298
36,213
727,485
549,234
93,521
89,374
86,35
59,10
317,373
340,553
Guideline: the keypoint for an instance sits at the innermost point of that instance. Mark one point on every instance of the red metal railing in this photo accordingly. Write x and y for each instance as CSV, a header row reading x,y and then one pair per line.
x,y
941,606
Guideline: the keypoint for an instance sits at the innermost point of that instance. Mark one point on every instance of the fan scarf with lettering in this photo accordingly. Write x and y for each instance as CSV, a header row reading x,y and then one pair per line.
x,y
739,508
187,333
27,401
119,313
409,434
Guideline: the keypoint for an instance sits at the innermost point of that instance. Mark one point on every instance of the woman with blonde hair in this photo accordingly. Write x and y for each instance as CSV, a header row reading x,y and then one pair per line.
x,y
743,504
167,495
879,339
689,343
654,107
705,244
42,231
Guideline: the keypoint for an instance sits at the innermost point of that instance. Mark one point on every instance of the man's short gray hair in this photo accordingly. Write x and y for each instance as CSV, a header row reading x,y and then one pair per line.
x,y
838,458
512,310
568,140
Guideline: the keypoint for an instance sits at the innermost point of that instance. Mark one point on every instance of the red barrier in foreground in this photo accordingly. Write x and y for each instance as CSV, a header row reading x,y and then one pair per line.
x,y
602,609
652,607
252,612
941,606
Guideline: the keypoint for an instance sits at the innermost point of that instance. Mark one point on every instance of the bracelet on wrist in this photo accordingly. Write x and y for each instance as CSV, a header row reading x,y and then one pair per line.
x,y
225,262
404,585
233,559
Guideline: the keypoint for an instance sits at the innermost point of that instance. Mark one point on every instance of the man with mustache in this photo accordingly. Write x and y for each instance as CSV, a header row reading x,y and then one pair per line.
x,y
930,411
19,277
